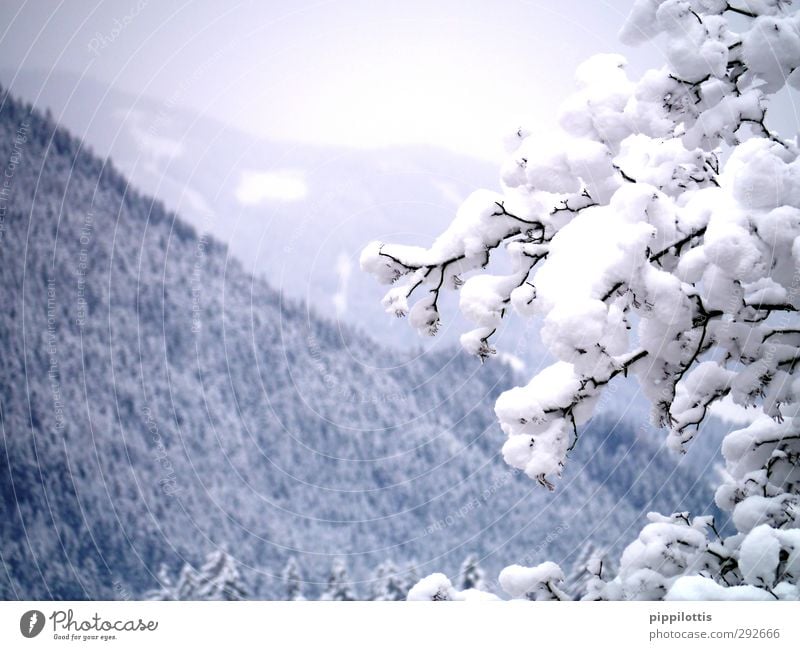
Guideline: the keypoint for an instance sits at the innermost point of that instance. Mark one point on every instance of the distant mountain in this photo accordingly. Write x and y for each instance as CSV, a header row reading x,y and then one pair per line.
x,y
157,401
274,203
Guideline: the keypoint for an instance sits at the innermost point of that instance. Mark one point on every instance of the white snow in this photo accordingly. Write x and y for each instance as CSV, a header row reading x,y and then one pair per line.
x,y
655,233
541,581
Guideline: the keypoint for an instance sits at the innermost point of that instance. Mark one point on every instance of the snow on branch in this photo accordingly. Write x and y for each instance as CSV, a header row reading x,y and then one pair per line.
x,y
656,233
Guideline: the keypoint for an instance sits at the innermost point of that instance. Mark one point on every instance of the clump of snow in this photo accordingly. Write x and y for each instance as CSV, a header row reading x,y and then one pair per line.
x,y
537,583
700,588
437,587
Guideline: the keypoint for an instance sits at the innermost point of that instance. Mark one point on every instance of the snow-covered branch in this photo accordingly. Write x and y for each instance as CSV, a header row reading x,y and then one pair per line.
x,y
657,232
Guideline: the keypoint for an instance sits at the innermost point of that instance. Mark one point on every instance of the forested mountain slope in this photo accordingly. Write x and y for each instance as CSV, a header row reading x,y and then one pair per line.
x,y
158,402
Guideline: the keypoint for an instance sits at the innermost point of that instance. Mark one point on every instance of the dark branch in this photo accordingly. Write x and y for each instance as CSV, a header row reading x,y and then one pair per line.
x,y
678,245
630,179
741,12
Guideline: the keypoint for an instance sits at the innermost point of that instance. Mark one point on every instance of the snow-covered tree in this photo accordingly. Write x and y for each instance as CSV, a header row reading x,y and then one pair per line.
x,y
338,587
409,578
219,578
184,587
543,582
437,587
590,564
655,233
593,588
167,589
292,580
387,583
187,583
471,576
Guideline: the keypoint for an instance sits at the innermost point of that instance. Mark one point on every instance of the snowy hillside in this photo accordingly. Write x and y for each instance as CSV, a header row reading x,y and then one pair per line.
x,y
159,402
272,202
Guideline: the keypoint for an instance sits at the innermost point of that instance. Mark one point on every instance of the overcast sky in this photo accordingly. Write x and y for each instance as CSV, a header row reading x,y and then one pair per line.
x,y
451,73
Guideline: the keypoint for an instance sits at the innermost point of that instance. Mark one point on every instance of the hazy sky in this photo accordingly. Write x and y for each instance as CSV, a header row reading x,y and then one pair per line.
x,y
452,73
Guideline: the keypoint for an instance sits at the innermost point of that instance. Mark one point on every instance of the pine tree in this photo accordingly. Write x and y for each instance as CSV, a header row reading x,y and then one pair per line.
x,y
471,576
411,577
589,561
338,583
186,587
219,578
387,584
167,590
292,580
